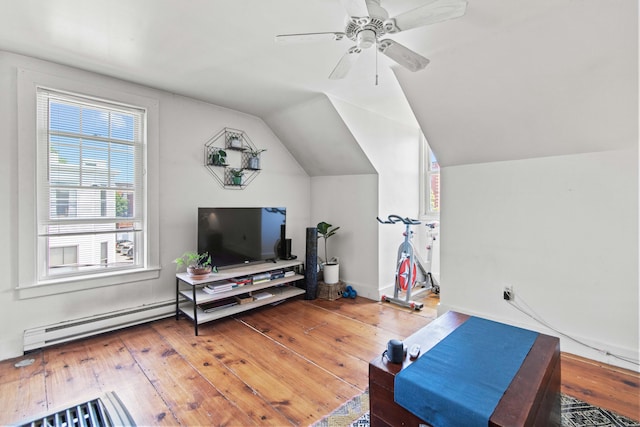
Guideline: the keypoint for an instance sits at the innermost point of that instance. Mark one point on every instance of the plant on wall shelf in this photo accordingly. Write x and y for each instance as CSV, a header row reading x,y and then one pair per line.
x,y
255,152
218,157
236,176
254,157
234,141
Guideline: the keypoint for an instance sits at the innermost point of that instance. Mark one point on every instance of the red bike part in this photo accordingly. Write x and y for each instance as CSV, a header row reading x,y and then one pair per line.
x,y
403,274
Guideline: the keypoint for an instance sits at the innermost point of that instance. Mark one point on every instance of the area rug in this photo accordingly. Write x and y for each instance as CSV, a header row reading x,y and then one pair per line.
x,y
575,413
353,413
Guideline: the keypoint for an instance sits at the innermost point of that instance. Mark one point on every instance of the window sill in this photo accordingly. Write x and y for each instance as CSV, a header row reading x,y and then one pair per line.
x,y
61,286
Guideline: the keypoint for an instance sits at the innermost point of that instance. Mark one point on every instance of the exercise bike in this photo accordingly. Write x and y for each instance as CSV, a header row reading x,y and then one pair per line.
x,y
410,267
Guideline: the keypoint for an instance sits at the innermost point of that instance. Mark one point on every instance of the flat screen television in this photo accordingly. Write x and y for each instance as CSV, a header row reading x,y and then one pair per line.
x,y
236,236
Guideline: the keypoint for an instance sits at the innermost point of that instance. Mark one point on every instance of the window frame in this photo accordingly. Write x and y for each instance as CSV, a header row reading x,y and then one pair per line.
x,y
92,86
89,180
425,181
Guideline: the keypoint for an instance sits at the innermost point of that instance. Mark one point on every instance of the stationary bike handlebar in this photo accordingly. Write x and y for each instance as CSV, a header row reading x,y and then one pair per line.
x,y
392,219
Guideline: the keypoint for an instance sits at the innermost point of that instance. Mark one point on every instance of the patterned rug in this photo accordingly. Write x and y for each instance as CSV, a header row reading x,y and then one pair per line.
x,y
575,413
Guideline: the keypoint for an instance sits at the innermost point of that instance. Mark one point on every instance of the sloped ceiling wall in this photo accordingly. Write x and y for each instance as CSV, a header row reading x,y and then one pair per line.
x,y
558,80
318,138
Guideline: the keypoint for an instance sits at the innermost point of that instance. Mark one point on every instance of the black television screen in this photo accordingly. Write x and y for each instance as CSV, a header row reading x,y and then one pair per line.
x,y
234,236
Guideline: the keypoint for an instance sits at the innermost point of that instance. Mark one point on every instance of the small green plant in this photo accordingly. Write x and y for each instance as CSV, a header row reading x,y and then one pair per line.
x,y
325,231
237,172
219,157
236,176
193,260
255,152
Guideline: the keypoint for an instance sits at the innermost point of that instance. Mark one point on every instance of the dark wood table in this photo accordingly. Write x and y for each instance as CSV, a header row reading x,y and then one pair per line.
x,y
532,398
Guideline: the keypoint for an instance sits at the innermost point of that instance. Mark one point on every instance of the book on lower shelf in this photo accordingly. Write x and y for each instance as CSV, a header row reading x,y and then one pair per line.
x,y
217,305
262,295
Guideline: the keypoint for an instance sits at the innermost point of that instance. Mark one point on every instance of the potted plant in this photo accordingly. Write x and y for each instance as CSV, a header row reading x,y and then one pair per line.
x,y
236,176
331,267
198,265
254,157
218,157
235,141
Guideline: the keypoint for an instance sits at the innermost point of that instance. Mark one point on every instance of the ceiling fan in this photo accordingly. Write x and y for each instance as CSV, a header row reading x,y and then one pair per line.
x,y
368,22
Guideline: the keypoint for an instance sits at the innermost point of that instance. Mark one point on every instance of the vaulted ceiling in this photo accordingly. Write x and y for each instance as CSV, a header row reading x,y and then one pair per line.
x,y
508,80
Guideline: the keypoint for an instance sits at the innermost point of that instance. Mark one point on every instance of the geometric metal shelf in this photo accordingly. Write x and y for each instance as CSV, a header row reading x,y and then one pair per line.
x,y
237,144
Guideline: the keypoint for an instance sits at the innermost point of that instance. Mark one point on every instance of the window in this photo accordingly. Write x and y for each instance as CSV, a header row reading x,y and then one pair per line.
x,y
430,176
91,188
433,183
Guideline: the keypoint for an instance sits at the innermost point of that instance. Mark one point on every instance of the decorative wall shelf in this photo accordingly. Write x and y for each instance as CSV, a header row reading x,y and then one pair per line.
x,y
237,145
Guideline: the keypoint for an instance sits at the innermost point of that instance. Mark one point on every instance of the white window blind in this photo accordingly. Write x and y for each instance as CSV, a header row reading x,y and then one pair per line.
x,y
433,183
91,184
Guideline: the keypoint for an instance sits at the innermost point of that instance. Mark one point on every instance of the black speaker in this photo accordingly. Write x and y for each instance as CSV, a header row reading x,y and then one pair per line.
x,y
311,264
287,248
395,351
282,249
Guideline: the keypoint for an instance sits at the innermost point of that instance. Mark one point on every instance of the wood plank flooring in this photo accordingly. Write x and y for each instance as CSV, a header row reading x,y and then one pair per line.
x,y
288,365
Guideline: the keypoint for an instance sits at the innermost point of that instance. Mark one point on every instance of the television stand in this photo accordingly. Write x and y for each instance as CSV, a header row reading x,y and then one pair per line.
x,y
235,290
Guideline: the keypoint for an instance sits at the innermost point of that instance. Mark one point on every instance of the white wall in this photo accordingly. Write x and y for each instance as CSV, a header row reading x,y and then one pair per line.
x,y
393,149
563,231
348,201
184,126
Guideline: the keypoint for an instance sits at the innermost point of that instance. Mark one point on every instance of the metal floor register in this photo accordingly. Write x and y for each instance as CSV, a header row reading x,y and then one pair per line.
x,y
105,411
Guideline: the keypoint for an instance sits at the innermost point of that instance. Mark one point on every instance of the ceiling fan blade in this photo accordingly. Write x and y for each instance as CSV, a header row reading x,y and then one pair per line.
x,y
402,55
355,7
308,37
430,13
346,62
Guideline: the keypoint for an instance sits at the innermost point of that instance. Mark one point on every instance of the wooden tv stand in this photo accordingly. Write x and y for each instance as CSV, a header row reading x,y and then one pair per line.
x,y
532,398
191,298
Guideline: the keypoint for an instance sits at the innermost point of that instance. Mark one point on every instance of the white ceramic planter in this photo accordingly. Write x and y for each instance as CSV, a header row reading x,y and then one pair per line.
x,y
331,273
235,142
254,162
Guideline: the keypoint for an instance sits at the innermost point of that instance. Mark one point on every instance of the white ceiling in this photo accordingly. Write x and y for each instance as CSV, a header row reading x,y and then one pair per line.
x,y
504,76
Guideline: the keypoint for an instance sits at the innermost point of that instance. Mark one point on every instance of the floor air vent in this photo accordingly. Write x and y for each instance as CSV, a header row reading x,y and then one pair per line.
x,y
106,411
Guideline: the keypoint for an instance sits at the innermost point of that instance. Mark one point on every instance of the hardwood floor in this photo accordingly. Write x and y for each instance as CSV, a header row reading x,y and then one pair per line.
x,y
287,365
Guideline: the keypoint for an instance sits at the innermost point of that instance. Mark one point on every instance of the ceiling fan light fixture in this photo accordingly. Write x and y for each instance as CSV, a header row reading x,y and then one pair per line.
x,y
366,39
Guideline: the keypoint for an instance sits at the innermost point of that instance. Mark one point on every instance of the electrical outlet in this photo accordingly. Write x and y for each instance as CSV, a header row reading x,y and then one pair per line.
x,y
507,293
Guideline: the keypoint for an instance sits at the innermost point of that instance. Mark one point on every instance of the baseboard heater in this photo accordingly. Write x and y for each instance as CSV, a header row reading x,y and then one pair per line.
x,y
45,336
